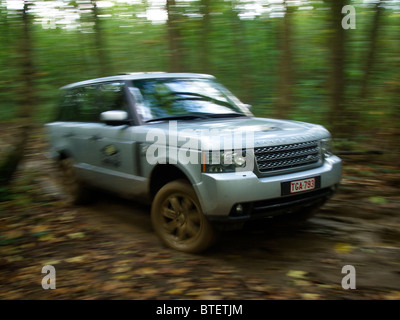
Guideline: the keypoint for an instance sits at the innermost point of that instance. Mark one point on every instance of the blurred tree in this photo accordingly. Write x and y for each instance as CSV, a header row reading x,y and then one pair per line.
x,y
11,160
241,51
395,99
205,36
370,57
285,97
4,34
176,53
104,62
337,116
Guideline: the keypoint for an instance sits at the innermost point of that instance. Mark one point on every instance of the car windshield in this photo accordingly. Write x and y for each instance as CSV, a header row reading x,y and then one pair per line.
x,y
185,99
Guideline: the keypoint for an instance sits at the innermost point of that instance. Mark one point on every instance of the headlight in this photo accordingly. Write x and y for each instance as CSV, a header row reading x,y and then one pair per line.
x,y
326,147
223,161
236,158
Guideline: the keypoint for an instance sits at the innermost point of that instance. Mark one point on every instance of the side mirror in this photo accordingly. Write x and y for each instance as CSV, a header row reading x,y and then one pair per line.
x,y
114,117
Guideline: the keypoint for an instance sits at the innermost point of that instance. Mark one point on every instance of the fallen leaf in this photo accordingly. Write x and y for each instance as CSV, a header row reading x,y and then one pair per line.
x,y
76,259
27,245
9,250
176,291
110,286
121,276
52,262
187,284
297,274
393,295
260,288
377,200
121,269
14,258
343,248
302,283
14,234
179,271
46,237
210,297
146,270
195,293
76,235
310,296
125,252
38,230
325,286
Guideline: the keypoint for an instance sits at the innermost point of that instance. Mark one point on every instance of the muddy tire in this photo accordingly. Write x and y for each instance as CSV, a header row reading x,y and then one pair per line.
x,y
75,190
178,220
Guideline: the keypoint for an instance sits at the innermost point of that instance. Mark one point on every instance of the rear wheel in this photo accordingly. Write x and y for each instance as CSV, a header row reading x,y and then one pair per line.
x,y
178,220
75,189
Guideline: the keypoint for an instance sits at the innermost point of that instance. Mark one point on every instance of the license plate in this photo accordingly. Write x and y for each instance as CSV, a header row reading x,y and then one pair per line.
x,y
302,185
292,187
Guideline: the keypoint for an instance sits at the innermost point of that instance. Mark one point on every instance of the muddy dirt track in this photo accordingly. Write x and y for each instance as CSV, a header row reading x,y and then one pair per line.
x,y
108,250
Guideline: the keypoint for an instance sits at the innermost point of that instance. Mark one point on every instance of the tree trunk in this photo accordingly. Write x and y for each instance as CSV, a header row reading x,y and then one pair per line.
x,y
176,55
241,50
10,163
205,36
104,63
337,115
4,34
371,52
395,123
285,98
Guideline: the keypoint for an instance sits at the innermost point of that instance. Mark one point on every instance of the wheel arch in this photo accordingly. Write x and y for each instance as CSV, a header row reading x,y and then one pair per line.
x,y
163,174
63,154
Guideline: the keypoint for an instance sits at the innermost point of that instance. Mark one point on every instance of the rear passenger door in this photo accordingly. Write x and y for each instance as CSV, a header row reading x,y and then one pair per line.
x,y
78,114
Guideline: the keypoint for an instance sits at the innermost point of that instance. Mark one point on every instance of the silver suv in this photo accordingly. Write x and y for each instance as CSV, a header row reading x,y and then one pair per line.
x,y
187,145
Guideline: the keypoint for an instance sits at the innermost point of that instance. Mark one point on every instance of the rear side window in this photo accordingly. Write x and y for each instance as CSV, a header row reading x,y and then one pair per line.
x,y
84,104
86,99
79,104
68,108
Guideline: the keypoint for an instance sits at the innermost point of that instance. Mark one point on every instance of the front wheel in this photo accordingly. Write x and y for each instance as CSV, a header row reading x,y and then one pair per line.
x,y
178,219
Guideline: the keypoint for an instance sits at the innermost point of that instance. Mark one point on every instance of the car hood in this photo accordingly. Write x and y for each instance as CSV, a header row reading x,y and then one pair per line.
x,y
256,131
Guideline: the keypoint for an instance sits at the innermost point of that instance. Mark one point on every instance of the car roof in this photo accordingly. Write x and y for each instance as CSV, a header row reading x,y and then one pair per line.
x,y
138,76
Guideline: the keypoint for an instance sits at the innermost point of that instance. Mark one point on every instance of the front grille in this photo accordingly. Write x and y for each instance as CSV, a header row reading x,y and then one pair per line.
x,y
287,156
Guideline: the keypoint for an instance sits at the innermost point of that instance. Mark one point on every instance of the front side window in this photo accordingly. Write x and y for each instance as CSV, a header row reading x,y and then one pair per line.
x,y
112,97
158,99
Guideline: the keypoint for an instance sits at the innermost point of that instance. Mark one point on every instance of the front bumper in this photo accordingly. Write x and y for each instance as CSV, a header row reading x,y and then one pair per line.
x,y
220,193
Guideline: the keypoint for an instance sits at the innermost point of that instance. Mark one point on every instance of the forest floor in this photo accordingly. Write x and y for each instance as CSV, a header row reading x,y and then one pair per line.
x,y
108,250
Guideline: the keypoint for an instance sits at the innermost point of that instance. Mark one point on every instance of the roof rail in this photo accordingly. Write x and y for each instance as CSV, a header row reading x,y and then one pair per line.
x,y
129,73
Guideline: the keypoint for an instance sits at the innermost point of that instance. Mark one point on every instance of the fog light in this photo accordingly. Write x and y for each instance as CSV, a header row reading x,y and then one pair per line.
x,y
239,209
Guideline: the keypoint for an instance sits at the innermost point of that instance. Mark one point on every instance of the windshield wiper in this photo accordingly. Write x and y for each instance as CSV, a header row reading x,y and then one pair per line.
x,y
225,115
179,117
198,116
199,96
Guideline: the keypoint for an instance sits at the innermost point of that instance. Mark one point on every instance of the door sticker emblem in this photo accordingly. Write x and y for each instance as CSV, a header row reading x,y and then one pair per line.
x,y
110,156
